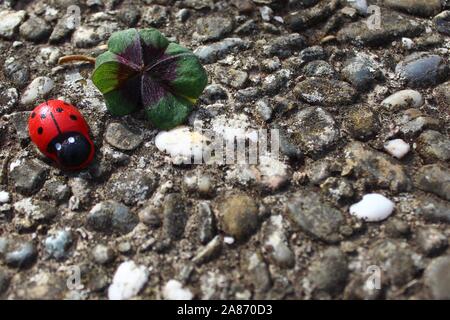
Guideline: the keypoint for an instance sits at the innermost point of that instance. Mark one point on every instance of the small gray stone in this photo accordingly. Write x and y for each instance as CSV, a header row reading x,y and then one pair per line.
x,y
36,211
151,216
304,19
394,26
361,71
213,28
397,228
174,216
312,53
362,122
35,29
121,137
208,252
434,178
312,130
375,168
131,186
433,210
21,255
215,51
62,29
396,259
129,15
319,68
329,273
16,72
422,69
156,15
423,8
28,177
85,37
433,146
442,22
325,92
39,88
111,217
285,46
431,241
259,273
275,82
57,244
338,188
102,254
437,278
5,279
308,211
10,21
213,93
207,224
232,77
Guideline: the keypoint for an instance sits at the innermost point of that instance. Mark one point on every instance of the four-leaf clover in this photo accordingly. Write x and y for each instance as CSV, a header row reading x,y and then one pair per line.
x,y
142,69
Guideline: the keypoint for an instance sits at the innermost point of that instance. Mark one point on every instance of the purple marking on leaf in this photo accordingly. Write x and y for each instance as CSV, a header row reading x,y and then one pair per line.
x,y
151,54
152,90
165,68
133,53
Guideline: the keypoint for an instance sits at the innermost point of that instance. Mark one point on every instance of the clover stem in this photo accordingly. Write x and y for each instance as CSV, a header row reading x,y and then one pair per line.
x,y
76,58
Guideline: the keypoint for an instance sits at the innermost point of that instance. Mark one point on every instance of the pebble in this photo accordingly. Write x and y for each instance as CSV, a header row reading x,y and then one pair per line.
x,y
111,216
21,254
150,216
403,99
213,28
312,53
85,37
396,259
10,21
18,73
174,216
375,168
29,176
442,94
338,189
433,146
259,273
329,272
431,241
214,93
433,209
266,13
182,144
285,46
422,69
373,207
36,211
62,29
319,68
362,122
57,244
277,244
239,216
325,92
309,212
232,77
434,178
210,251
131,186
394,26
35,29
4,197
103,254
8,100
304,19
437,278
5,279
442,22
39,88
128,280
423,8
156,16
121,137
361,71
173,290
397,148
312,130
207,223
218,50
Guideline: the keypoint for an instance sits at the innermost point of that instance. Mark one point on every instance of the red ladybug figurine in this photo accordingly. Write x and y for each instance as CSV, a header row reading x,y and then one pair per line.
x,y
61,133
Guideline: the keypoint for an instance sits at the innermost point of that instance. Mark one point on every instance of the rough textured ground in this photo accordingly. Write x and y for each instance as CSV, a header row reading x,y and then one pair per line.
x,y
310,68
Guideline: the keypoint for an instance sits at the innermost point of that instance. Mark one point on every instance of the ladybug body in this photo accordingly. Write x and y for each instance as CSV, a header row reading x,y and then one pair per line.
x,y
61,133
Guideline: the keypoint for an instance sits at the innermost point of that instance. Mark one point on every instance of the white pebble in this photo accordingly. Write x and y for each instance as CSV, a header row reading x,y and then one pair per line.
x,y
128,281
38,88
181,144
403,99
4,197
266,13
228,240
373,207
397,148
407,43
173,290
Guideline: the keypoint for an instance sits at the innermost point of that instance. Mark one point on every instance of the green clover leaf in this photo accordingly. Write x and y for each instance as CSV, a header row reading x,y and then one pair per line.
x,y
142,69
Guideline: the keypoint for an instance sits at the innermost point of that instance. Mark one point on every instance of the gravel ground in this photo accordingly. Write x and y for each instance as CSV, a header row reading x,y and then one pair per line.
x,y
360,111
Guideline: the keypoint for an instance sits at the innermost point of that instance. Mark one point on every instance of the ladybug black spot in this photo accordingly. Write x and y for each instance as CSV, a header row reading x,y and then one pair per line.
x,y
40,130
73,117
59,109
33,115
43,116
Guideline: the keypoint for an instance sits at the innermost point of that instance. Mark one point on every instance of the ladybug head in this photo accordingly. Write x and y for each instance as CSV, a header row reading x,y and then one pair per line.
x,y
72,149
